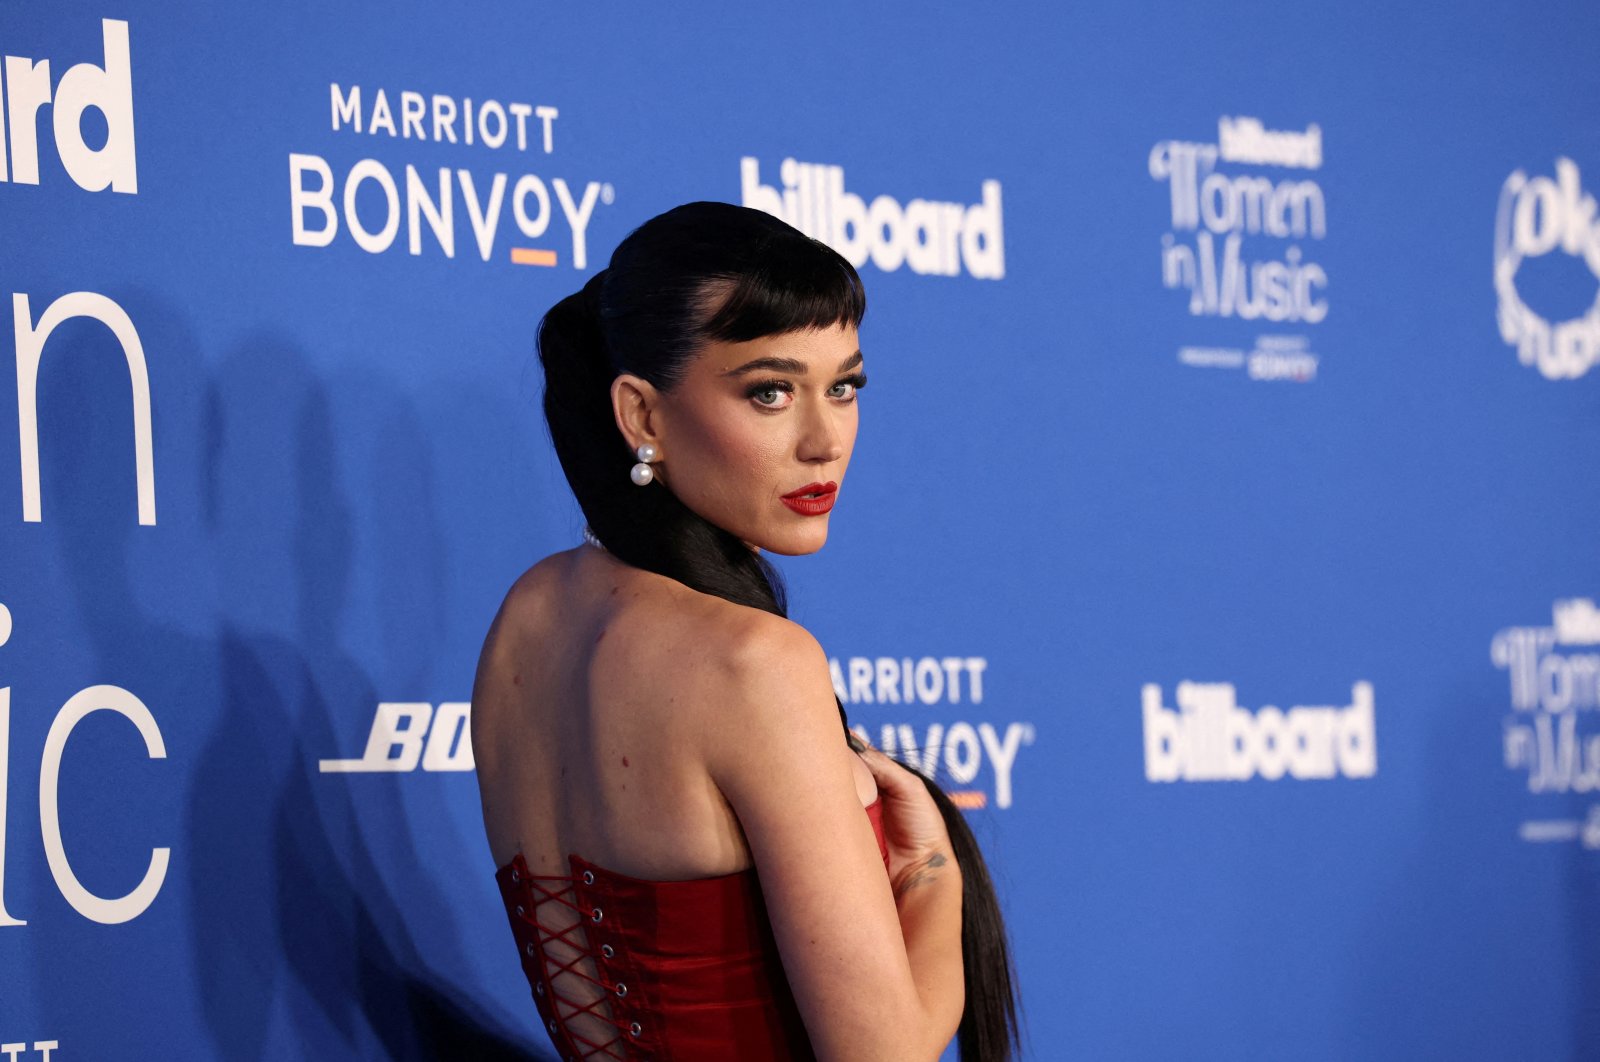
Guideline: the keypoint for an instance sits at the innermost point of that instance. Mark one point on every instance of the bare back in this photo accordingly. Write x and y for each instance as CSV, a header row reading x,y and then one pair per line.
x,y
595,701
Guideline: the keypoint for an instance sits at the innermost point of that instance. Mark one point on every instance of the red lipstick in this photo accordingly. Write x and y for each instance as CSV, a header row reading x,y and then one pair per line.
x,y
813,499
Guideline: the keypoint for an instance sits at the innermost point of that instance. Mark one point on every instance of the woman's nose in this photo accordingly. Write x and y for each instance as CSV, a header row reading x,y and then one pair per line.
x,y
822,439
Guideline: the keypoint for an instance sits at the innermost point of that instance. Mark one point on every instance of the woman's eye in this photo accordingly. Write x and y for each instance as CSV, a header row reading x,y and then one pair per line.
x,y
855,383
769,395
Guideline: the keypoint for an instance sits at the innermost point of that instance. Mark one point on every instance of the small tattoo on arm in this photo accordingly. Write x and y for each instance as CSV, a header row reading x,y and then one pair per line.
x,y
922,874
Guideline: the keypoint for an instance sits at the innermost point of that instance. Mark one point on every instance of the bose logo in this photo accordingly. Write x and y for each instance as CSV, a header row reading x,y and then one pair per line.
x,y
108,89
1214,740
396,740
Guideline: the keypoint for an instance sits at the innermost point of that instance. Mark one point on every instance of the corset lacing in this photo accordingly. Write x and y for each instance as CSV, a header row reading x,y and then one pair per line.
x,y
617,1046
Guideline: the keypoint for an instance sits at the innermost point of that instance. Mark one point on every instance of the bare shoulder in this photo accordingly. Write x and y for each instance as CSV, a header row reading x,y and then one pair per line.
x,y
739,654
687,647
776,700
524,608
528,599
746,637
713,673
524,613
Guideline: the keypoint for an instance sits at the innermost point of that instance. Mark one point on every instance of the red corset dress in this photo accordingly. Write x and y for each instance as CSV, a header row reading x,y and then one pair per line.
x,y
664,969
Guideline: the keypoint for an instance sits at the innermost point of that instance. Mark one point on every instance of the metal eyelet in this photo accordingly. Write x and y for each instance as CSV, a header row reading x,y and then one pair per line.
x,y
515,876
588,877
607,950
552,1027
635,1029
519,910
622,989
529,949
595,914
539,988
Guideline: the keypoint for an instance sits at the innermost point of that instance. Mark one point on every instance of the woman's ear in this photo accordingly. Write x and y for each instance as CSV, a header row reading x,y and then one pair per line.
x,y
636,404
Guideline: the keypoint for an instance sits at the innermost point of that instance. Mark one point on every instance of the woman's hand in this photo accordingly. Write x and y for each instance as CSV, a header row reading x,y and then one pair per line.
x,y
912,826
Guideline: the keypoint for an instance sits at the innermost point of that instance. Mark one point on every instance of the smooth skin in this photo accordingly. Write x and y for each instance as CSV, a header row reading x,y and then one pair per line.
x,y
668,734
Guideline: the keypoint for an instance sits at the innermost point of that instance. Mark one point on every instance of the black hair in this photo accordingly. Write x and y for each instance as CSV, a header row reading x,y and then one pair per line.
x,y
699,273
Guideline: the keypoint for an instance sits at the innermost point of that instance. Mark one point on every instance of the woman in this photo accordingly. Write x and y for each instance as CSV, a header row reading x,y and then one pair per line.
x,y
694,864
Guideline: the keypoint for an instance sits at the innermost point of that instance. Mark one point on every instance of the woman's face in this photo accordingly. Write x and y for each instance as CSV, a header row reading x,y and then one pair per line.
x,y
749,424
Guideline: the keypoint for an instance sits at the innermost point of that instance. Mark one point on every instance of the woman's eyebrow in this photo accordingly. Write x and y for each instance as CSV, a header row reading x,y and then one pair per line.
x,y
789,365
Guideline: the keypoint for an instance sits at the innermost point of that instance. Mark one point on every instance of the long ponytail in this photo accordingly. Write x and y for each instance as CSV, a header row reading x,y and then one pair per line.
x,y
712,271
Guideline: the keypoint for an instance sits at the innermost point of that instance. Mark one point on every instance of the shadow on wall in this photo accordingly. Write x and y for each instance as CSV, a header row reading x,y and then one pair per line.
x,y
1462,854
306,892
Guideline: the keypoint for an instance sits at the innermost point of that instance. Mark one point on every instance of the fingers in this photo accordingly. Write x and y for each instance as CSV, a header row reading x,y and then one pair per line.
x,y
889,773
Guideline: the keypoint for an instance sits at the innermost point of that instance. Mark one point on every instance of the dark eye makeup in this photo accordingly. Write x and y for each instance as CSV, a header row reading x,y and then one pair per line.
x,y
856,380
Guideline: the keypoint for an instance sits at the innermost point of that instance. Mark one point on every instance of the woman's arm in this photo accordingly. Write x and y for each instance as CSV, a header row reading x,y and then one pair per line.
x,y
875,968
927,886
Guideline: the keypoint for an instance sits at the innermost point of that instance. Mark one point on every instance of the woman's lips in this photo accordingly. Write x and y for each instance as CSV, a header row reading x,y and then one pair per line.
x,y
813,499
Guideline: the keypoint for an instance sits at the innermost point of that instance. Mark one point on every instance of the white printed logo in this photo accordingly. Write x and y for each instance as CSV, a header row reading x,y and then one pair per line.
x,y
107,88
31,337
15,1052
395,742
431,196
963,749
925,235
1209,738
1537,216
1232,204
1553,733
105,910
1264,205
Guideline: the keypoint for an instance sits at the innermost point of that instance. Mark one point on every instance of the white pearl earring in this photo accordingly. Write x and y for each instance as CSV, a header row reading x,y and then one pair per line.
x,y
642,472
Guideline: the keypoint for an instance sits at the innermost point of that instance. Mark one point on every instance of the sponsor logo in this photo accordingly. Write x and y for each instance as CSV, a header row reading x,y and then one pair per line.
x,y
1585,831
1536,217
1221,192
1209,738
924,235
1274,358
107,88
445,202
406,735
1552,736
17,1052
983,752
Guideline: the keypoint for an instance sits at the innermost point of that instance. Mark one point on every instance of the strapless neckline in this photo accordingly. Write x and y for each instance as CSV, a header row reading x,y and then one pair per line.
x,y
679,969
520,865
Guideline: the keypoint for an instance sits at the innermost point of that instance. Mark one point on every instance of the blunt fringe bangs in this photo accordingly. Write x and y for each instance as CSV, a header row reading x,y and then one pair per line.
x,y
796,287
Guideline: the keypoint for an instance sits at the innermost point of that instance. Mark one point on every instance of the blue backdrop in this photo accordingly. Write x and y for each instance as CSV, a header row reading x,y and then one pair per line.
x,y
1221,528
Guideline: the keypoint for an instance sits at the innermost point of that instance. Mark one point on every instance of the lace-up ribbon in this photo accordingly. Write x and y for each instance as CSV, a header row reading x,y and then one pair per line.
x,y
525,893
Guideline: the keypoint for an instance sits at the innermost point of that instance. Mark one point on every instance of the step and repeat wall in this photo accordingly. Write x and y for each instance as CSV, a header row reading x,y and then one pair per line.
x,y
1221,532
